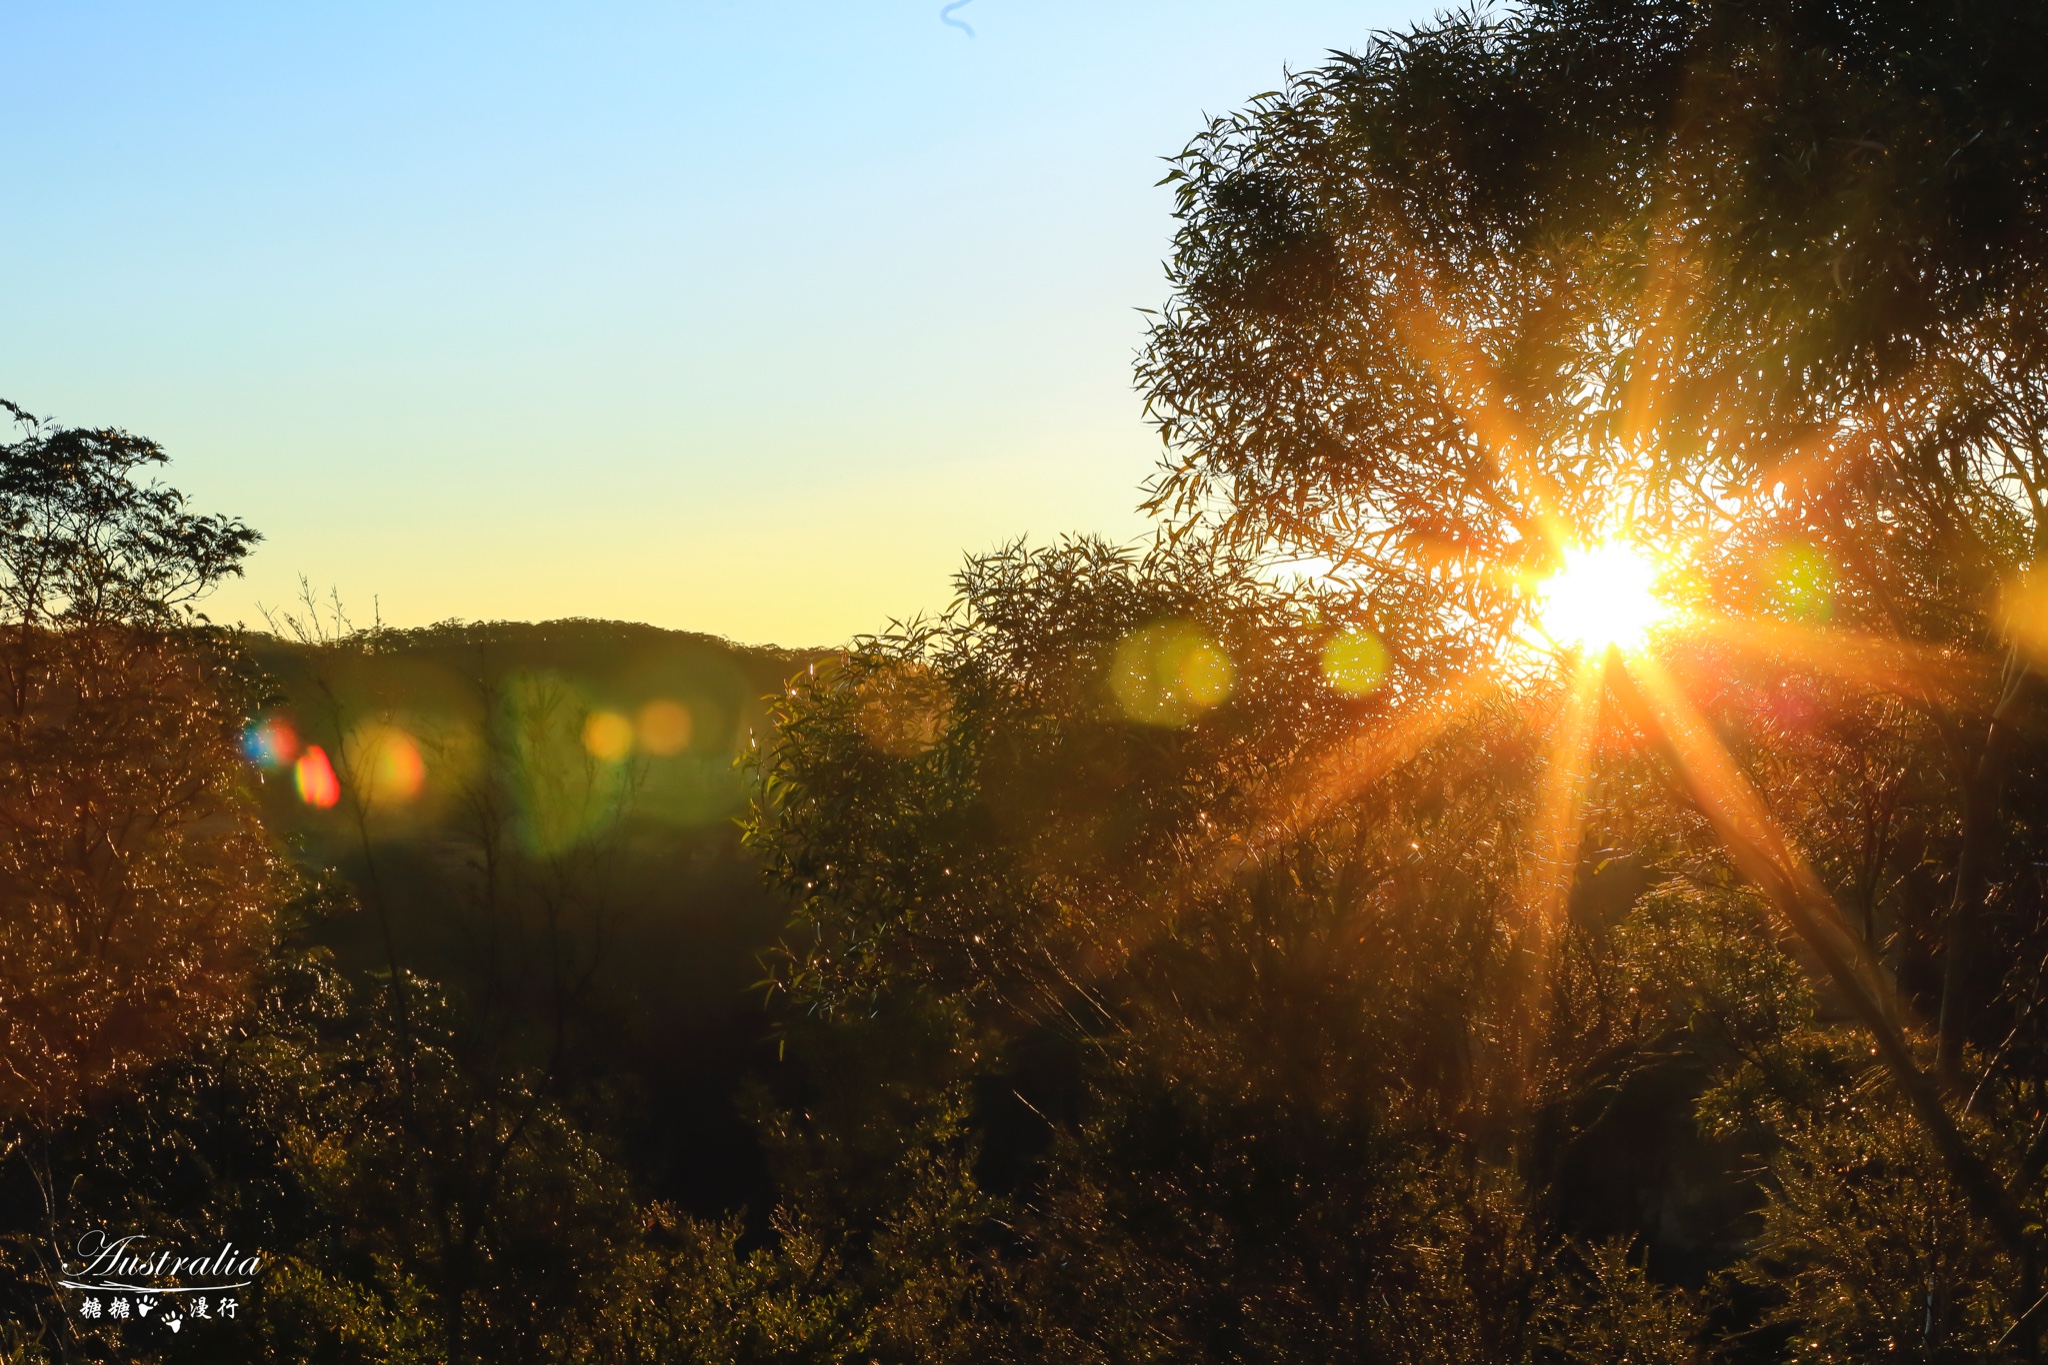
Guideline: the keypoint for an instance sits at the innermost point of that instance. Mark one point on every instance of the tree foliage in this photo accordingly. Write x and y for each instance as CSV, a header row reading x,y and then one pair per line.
x,y
83,544
1719,273
1189,965
136,882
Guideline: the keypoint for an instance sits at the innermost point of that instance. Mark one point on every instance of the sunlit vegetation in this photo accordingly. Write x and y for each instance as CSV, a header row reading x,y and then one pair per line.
x,y
1598,916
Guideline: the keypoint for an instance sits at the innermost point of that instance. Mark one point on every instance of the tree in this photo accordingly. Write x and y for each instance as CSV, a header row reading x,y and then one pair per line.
x,y
1758,285
136,883
1503,281
1753,285
83,545
1221,1068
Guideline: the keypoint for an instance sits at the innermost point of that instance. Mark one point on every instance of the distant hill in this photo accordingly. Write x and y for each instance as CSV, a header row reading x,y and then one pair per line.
x,y
545,817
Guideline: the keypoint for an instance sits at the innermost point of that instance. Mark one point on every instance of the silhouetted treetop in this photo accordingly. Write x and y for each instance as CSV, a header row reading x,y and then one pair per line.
x,y
82,543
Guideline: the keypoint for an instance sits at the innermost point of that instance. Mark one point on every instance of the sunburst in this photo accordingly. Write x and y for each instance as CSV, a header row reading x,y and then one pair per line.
x,y
1604,595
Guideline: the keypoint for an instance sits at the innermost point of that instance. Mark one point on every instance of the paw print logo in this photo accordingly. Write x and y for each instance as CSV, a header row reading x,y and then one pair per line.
x,y
143,1306
173,1320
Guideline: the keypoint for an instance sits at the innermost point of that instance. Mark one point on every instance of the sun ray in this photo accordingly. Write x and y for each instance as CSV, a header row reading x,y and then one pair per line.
x,y
1664,314
1817,455
1553,848
1301,798
1763,854
1465,376
1559,826
1294,803
1304,798
1752,836
1918,672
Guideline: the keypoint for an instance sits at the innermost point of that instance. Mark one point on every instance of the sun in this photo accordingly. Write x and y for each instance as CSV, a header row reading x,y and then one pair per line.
x,y
1604,595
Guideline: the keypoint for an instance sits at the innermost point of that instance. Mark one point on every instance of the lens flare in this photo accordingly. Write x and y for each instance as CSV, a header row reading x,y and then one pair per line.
x,y
314,776
1355,663
271,743
1605,595
1801,583
664,727
608,736
559,795
1169,673
388,763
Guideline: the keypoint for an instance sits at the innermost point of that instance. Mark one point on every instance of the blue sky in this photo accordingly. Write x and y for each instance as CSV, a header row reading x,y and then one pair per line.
x,y
747,318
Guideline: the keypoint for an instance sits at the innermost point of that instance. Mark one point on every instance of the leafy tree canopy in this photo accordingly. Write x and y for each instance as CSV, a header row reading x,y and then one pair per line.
x,y
136,881
83,544
1711,274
